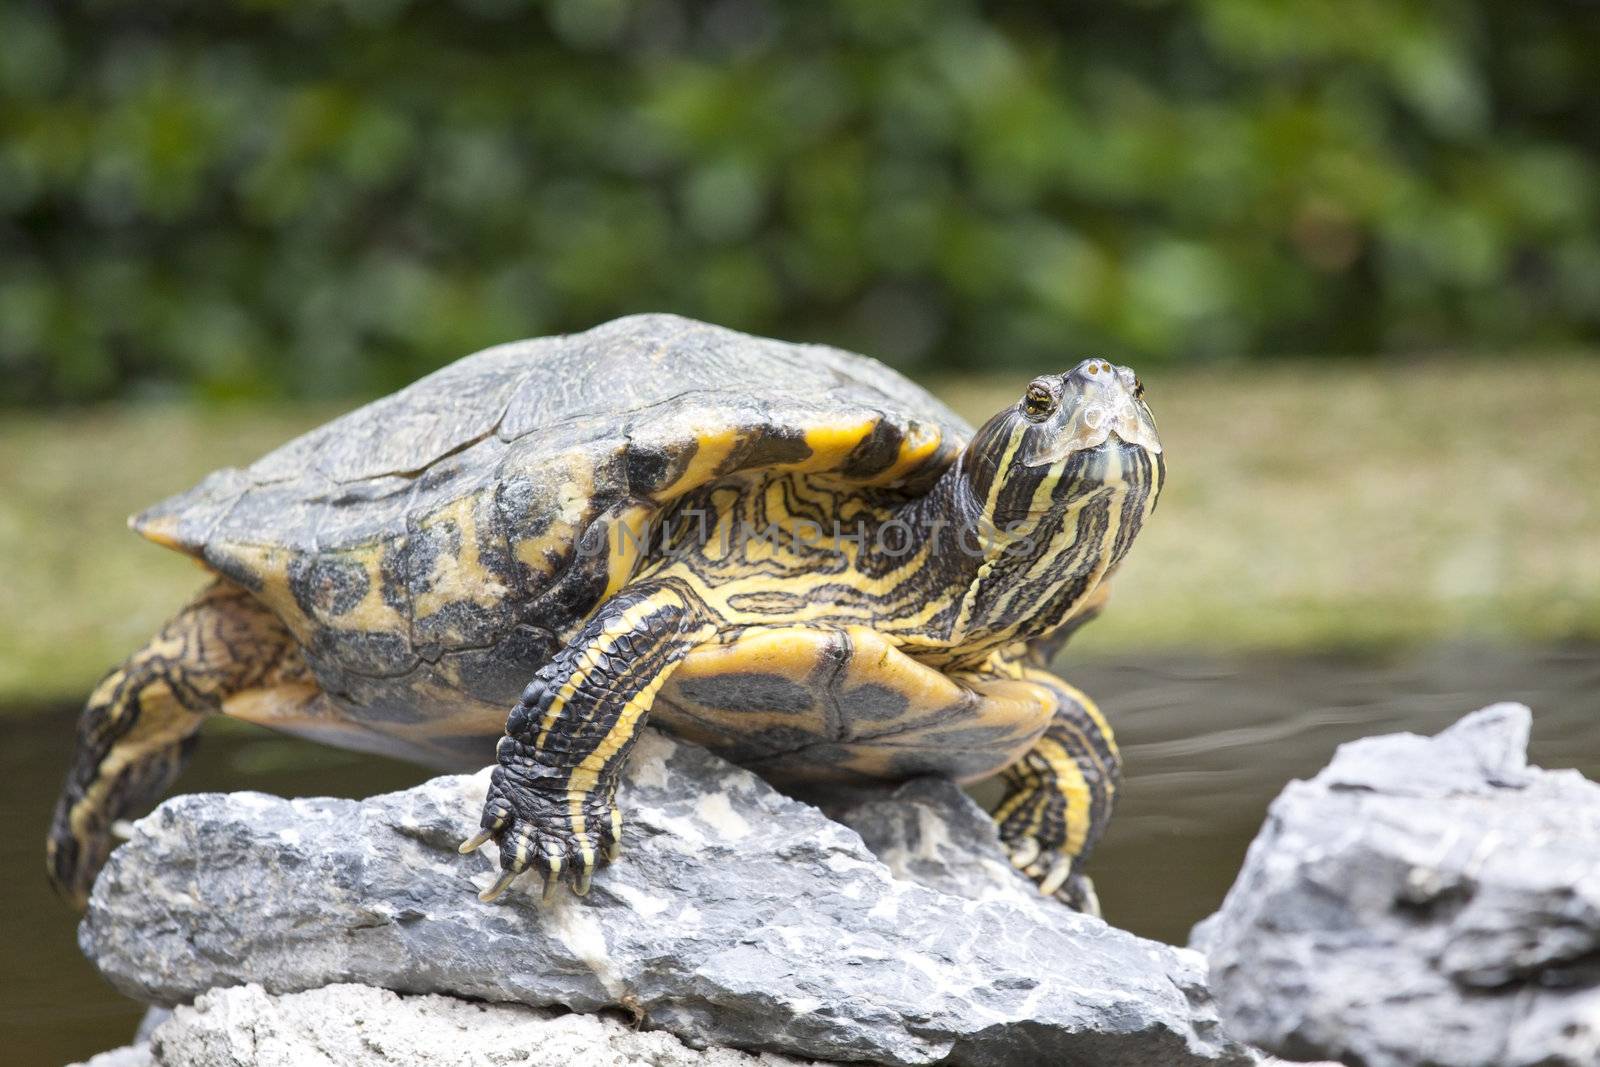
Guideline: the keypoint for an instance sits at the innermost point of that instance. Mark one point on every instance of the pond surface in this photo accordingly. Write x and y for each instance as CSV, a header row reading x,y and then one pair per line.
x,y
1208,742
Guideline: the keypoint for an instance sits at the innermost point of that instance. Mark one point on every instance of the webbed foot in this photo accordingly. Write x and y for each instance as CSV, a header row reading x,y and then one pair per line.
x,y
542,824
551,800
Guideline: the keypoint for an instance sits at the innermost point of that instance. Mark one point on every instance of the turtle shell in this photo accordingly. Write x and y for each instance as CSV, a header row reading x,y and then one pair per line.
x,y
431,546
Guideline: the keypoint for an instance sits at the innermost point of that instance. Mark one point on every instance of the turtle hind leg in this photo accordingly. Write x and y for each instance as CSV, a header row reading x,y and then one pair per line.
x,y
1059,795
137,729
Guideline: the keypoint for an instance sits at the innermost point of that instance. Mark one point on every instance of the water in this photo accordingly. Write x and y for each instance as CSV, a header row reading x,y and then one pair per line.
x,y
1208,742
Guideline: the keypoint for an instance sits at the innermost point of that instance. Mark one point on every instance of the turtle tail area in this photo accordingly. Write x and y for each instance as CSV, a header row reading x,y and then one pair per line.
x,y
138,727
184,522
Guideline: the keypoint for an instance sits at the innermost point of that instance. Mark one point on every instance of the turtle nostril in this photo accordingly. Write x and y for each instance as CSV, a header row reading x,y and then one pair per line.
x,y
1094,372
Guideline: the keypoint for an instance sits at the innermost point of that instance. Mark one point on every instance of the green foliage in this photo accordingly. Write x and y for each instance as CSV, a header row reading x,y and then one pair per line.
x,y
316,197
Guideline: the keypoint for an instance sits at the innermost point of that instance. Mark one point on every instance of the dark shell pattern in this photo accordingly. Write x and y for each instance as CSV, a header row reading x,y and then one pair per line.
x,y
424,548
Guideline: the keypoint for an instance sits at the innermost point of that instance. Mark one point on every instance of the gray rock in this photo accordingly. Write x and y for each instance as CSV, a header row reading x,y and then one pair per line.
x,y
147,1025
930,832
358,1026
1421,901
736,917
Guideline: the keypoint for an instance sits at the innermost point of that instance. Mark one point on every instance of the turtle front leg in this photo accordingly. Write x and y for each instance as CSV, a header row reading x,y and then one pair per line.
x,y
551,800
1059,795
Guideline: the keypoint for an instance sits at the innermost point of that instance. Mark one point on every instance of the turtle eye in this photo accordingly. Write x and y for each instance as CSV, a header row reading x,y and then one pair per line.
x,y
1039,401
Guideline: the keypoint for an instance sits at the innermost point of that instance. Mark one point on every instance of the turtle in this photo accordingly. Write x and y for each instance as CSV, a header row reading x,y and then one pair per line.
x,y
788,553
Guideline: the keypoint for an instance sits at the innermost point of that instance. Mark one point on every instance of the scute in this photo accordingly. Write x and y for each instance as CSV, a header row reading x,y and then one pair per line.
x,y
436,522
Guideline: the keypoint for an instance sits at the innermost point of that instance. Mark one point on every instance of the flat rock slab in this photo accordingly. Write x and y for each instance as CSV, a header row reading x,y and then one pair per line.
x,y
735,917
1421,901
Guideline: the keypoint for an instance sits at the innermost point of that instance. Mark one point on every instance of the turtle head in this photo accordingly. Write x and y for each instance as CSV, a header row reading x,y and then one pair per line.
x,y
1068,435
1061,480
1062,414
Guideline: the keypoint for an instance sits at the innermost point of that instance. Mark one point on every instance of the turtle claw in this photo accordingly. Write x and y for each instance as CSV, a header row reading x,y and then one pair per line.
x,y
610,841
499,886
475,842
1024,854
1056,876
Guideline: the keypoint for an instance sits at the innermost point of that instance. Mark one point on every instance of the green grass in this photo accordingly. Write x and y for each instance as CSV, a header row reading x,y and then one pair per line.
x,y
1305,507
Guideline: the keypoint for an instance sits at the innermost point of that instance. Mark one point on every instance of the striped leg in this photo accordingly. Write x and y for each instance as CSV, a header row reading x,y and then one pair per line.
x,y
137,729
1059,796
550,804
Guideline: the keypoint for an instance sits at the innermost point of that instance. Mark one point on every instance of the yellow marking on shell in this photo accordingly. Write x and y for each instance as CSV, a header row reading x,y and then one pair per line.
x,y
713,444
788,652
831,445
372,614
461,576
919,445
269,565
630,533
574,496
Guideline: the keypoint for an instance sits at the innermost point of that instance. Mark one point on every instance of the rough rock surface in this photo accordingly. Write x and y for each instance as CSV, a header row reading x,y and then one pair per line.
x,y
358,1026
736,917
930,832
1421,901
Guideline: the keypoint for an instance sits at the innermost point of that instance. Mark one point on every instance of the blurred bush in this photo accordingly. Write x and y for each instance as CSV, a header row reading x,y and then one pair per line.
x,y
313,197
